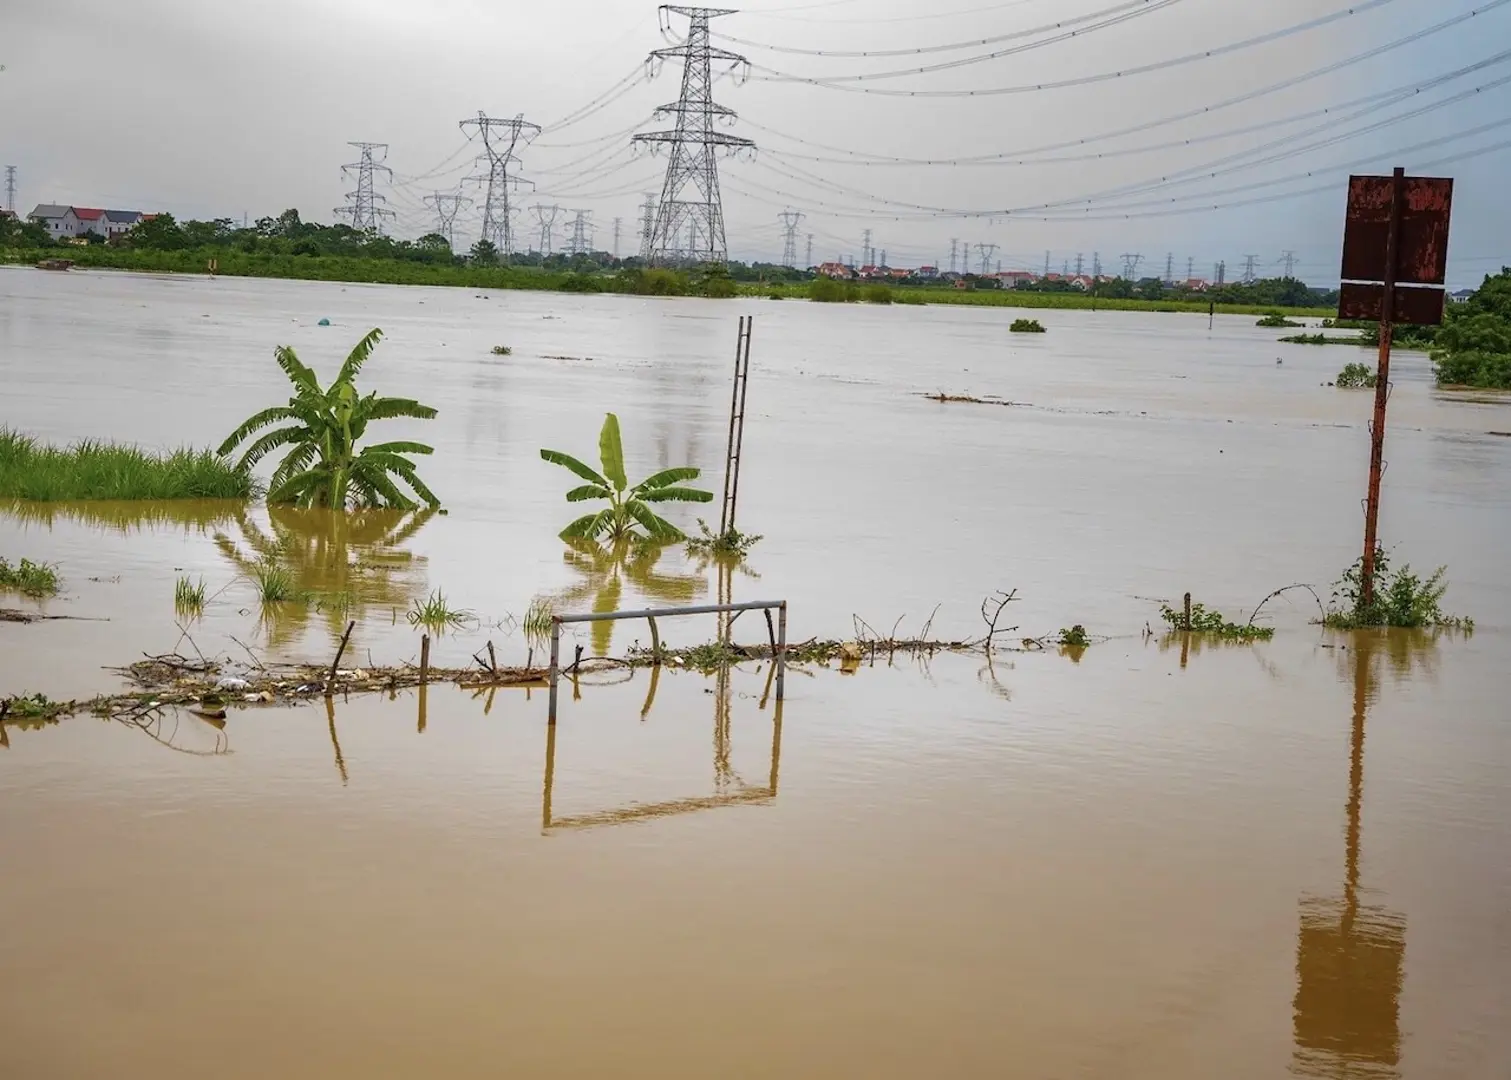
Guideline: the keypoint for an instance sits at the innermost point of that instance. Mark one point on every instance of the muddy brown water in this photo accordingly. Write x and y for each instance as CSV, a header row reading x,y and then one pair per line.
x,y
1252,861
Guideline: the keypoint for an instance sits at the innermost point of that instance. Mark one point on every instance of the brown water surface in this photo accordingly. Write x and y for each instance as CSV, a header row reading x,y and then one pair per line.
x,y
1155,858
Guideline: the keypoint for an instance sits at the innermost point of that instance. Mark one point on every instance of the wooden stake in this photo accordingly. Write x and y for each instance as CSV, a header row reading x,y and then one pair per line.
x,y
330,680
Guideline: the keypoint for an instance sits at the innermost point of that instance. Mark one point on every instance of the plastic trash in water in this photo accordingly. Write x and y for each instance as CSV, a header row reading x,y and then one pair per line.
x,y
323,322
230,682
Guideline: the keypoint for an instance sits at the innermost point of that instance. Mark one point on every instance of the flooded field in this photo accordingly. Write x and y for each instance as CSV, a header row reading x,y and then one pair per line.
x,y
1139,861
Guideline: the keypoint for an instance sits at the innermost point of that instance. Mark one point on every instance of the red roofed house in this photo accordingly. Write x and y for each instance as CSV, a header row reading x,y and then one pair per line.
x,y
90,220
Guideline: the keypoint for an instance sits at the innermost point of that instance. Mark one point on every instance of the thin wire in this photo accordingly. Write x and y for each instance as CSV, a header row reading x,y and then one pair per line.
x,y
1126,6
1285,84
931,16
837,82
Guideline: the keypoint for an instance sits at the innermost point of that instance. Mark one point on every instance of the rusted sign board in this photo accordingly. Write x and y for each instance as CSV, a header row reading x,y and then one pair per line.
x,y
1422,240
1417,307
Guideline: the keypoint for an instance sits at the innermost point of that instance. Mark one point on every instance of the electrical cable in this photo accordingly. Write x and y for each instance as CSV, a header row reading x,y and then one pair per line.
x,y
1136,6
837,82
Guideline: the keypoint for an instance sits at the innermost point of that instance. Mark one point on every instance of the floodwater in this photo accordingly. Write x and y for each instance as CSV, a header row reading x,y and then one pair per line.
x,y
1139,861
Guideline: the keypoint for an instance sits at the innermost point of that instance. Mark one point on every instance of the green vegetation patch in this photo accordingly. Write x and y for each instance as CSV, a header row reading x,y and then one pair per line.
x,y
1027,326
29,578
1213,623
1473,347
101,470
1357,376
731,543
1401,599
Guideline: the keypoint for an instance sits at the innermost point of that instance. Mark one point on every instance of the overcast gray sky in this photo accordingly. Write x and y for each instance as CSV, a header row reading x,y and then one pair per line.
x,y
218,108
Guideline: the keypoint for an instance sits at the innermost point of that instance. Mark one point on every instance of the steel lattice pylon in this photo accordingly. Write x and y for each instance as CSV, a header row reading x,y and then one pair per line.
x,y
364,206
446,206
500,139
689,226
790,220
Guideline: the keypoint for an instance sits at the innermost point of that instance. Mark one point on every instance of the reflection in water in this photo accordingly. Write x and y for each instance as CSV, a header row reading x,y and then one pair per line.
x,y
606,567
347,563
128,516
1350,955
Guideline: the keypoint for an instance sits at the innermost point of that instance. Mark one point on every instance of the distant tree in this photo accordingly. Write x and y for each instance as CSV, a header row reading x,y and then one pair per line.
x,y
484,252
158,233
434,242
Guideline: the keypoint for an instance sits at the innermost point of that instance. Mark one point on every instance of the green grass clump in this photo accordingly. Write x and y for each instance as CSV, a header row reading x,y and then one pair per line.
x,y
1322,339
1027,326
1213,622
826,290
28,578
1075,637
437,615
1401,599
537,621
732,544
502,350
1276,320
878,294
275,582
100,470
189,597
1357,376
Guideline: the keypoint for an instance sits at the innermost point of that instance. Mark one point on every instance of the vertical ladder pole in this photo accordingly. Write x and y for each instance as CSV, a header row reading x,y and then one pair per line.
x,y
729,448
744,381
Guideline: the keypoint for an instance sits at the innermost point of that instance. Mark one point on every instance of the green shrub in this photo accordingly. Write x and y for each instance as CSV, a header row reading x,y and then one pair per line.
x,y
878,294
1276,320
1026,326
1402,599
827,290
1357,376
1213,622
28,578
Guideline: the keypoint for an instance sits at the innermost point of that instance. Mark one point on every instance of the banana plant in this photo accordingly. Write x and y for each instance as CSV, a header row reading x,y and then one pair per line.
x,y
629,508
323,467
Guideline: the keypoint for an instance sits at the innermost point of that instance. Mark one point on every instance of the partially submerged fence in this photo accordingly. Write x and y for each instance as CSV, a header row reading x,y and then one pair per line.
x,y
650,615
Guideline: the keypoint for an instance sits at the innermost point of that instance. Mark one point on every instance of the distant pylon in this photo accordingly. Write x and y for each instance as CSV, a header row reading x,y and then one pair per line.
x,y
1169,267
1249,274
364,206
1289,258
1096,264
581,242
545,217
867,254
954,260
647,225
446,205
1190,268
10,187
986,251
790,220
1220,273
1130,266
1080,261
1046,264
500,139
618,225
809,261
690,203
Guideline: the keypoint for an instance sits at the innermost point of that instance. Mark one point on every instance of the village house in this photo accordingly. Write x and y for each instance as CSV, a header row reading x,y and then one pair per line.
x,y
69,222
835,270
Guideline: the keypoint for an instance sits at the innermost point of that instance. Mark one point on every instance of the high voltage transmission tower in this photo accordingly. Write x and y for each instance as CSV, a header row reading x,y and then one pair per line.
x,y
618,227
1096,264
1169,267
1289,259
1190,268
1080,262
1220,273
810,250
1130,266
1046,264
545,216
363,206
986,251
10,187
954,261
1249,275
500,139
581,241
867,253
446,206
689,224
790,220
647,224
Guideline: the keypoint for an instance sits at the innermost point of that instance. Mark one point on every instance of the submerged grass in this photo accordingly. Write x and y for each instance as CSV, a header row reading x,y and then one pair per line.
x,y
275,582
189,597
436,614
1213,622
537,621
101,470
28,578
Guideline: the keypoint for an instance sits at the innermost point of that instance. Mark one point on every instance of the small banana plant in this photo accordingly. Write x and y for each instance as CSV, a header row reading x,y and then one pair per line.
x,y
629,510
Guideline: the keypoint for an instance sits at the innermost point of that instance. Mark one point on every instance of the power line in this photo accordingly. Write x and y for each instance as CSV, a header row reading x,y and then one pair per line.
x,y
364,206
695,145
839,82
500,140
790,220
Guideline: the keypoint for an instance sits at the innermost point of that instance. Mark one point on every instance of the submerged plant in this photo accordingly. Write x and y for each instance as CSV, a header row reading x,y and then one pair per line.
x,y
628,507
1357,376
189,596
730,544
1027,326
437,615
1074,638
1401,599
323,467
29,578
1276,320
33,471
502,350
537,620
1213,622
275,582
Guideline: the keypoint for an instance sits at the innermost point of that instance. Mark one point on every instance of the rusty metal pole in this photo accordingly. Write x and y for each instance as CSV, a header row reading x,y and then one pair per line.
x,y
734,488
734,409
1382,387
553,673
